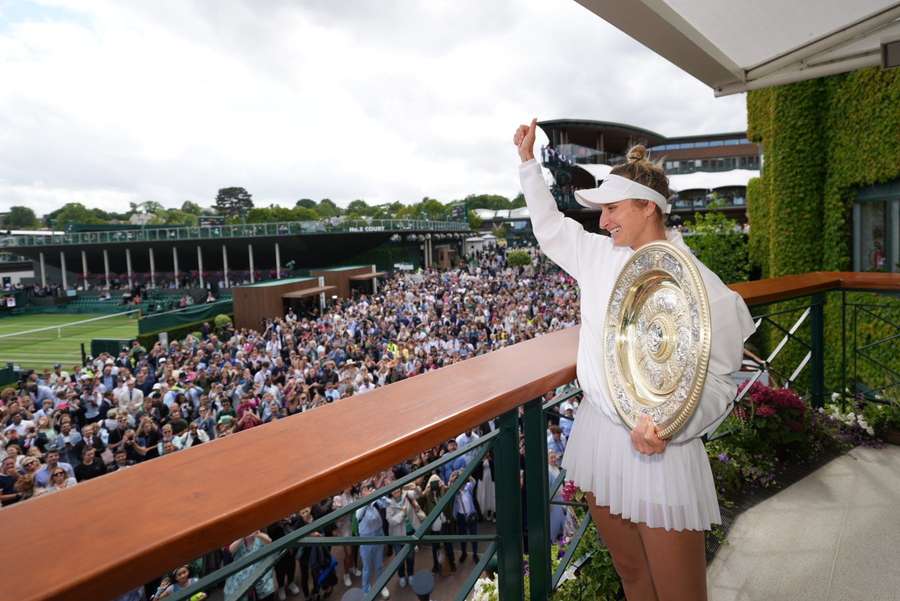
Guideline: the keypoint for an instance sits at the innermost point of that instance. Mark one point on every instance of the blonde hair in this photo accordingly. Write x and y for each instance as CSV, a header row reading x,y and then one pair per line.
x,y
642,170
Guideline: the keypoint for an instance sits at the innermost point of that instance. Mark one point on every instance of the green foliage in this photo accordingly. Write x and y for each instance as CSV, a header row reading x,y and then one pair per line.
x,y
500,231
179,217
518,258
233,202
74,212
757,213
20,217
221,322
306,203
597,579
475,222
720,246
327,209
882,416
495,202
191,207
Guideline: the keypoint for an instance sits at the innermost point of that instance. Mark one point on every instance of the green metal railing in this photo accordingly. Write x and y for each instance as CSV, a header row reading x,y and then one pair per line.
x,y
216,232
504,441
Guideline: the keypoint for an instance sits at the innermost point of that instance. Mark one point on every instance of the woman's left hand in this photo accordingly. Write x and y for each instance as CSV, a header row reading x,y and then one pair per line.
x,y
645,437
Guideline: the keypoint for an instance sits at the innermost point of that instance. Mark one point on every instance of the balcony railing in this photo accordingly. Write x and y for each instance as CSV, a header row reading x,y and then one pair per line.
x,y
193,233
114,533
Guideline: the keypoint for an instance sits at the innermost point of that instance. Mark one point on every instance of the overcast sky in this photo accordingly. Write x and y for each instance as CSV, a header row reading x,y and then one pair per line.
x,y
106,102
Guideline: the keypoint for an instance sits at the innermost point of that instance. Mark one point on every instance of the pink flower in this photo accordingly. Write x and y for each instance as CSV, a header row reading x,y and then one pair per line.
x,y
765,411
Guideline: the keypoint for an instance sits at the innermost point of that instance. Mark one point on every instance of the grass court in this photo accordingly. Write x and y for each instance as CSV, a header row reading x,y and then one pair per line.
x,y
45,339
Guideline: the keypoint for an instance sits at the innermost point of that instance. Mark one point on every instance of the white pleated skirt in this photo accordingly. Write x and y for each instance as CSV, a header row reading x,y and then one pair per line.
x,y
673,490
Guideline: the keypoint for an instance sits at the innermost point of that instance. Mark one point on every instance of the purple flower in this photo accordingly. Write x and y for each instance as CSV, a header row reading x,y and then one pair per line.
x,y
724,458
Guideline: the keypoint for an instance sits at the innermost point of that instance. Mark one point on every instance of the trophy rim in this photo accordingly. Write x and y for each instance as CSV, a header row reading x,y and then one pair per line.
x,y
614,321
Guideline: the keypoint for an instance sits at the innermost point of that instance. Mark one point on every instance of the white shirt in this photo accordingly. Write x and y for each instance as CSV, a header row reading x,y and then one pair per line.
x,y
595,263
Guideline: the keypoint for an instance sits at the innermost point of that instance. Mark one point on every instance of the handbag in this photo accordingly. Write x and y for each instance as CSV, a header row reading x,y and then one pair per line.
x,y
438,524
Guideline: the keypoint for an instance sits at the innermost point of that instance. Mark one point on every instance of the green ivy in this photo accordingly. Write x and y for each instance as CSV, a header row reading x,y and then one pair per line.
x,y
823,140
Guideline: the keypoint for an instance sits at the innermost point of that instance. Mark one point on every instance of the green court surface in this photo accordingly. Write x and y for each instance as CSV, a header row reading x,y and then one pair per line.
x,y
39,341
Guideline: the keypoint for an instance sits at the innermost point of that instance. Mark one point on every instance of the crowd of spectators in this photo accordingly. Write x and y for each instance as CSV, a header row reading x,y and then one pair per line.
x,y
62,427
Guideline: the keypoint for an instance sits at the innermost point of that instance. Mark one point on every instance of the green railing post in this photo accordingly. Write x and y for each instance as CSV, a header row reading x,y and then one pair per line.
x,y
537,499
817,335
509,505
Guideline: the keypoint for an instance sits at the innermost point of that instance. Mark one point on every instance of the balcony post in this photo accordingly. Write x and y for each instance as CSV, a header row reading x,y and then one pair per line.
x,y
817,335
43,271
509,519
537,500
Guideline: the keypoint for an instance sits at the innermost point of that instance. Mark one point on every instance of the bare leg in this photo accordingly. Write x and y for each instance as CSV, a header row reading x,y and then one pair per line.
x,y
627,549
677,559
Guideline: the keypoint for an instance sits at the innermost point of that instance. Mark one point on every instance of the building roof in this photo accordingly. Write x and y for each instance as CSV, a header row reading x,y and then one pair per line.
x,y
711,180
490,214
616,135
738,46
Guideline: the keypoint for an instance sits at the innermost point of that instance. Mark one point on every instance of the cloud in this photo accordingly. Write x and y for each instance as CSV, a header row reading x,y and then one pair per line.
x,y
107,102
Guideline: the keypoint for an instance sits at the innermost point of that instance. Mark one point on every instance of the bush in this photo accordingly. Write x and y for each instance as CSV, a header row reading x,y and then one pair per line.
x,y
518,258
222,322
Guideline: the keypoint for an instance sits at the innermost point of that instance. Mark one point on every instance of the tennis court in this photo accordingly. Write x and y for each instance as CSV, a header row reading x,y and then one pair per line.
x,y
40,340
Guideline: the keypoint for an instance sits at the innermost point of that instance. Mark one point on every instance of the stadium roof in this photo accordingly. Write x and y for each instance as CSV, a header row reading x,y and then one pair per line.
x,y
490,214
711,180
738,46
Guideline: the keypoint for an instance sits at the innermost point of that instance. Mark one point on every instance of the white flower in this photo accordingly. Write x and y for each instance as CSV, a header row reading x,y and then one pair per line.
x,y
870,431
835,396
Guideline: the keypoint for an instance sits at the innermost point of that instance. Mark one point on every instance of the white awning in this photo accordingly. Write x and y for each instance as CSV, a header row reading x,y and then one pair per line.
x,y
738,46
597,171
711,180
490,215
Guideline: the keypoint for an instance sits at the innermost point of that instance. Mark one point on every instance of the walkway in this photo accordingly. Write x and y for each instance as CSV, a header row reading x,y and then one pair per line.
x,y
833,536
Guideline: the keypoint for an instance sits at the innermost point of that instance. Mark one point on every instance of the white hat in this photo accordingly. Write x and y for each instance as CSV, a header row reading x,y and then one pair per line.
x,y
616,188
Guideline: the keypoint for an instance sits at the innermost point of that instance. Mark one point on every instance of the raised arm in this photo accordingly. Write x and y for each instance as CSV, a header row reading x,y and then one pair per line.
x,y
560,238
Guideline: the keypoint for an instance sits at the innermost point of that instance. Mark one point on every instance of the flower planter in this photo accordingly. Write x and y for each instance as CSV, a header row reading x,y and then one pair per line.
x,y
891,436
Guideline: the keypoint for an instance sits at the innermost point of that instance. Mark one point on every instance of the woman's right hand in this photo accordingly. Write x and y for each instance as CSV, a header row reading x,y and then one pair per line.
x,y
524,140
645,437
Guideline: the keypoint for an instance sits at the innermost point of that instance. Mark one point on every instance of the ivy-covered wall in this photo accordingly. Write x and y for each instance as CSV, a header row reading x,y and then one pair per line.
x,y
823,140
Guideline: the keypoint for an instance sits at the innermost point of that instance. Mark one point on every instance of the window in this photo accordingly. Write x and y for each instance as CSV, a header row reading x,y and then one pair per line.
x,y
876,228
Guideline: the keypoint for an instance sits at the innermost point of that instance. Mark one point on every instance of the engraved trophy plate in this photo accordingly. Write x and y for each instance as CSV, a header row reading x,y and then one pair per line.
x,y
656,339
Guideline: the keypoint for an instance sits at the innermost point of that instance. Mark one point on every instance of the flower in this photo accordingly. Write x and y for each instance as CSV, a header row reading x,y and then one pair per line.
x,y
724,458
765,411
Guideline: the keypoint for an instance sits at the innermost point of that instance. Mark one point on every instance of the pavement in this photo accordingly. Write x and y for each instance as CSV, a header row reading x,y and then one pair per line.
x,y
832,536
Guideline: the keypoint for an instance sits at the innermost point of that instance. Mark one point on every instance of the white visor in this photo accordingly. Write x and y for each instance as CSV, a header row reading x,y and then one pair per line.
x,y
616,188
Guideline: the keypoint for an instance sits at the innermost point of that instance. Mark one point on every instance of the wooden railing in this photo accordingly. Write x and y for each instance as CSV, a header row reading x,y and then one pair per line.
x,y
114,533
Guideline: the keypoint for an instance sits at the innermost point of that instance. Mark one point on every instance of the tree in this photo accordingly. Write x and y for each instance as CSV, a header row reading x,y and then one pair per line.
x,y
518,258
20,217
720,245
475,221
359,208
433,209
178,217
233,202
148,206
191,207
304,214
306,203
73,212
326,208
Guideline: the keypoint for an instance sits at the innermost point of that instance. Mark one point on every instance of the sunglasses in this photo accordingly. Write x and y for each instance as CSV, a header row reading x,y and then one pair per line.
x,y
59,473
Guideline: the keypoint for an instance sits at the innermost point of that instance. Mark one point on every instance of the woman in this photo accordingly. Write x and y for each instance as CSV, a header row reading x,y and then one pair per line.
x,y
344,528
59,480
651,499
265,587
